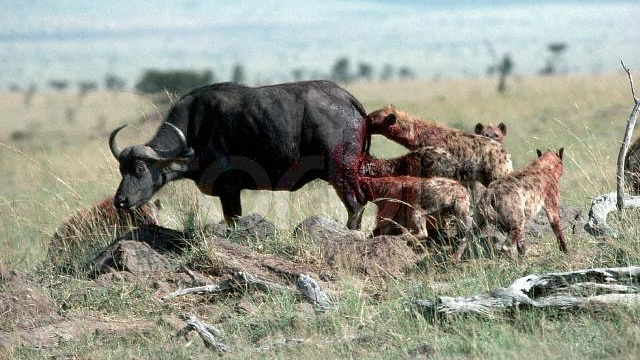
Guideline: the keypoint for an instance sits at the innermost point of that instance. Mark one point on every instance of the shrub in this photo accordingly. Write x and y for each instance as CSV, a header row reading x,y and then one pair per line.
x,y
175,81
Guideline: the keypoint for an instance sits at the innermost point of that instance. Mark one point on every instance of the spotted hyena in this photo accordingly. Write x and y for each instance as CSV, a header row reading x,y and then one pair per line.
x,y
424,162
421,199
491,131
486,159
632,168
100,218
512,200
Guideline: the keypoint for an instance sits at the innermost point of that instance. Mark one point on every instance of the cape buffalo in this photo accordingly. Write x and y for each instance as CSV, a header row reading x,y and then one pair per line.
x,y
228,137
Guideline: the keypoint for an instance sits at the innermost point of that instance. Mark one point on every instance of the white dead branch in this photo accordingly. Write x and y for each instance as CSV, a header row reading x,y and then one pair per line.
x,y
568,290
238,281
208,333
313,293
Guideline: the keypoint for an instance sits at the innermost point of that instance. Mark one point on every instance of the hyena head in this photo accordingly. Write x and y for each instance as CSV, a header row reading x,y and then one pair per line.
x,y
550,160
388,121
491,131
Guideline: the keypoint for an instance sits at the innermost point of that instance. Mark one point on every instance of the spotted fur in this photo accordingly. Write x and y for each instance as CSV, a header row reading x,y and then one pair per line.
x,y
416,200
491,131
512,200
102,216
487,160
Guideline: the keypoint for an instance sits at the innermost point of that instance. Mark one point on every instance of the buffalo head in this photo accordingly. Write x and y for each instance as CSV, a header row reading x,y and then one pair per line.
x,y
145,168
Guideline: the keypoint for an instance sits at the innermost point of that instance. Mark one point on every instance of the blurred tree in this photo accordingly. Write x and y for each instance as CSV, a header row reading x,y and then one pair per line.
x,y
58,85
553,62
237,75
114,83
29,93
503,66
297,74
386,73
85,87
173,81
504,70
341,71
365,71
406,73
13,87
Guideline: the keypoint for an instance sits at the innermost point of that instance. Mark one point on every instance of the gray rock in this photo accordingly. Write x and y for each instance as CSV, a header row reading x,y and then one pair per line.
x,y
572,221
132,256
323,230
253,226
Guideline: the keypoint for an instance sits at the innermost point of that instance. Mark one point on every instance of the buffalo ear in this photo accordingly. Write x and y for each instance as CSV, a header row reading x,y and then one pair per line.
x,y
390,119
503,128
560,153
539,152
478,129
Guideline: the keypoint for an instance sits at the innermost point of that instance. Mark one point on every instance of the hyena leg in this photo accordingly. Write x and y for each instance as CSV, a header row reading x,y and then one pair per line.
x,y
554,221
518,238
465,223
419,223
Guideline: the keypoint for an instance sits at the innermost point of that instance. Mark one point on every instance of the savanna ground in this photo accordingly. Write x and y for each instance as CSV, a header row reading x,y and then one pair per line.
x,y
54,160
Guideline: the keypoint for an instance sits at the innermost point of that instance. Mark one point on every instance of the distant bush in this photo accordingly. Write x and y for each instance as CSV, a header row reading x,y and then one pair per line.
x,y
237,75
174,81
114,82
85,87
341,70
58,85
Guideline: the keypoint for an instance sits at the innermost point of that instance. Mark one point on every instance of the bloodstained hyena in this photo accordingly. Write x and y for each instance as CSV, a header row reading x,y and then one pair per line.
x,y
487,159
491,131
426,162
101,218
421,199
513,199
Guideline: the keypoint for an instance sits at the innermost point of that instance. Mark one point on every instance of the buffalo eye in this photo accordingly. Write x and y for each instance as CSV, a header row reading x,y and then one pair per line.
x,y
140,169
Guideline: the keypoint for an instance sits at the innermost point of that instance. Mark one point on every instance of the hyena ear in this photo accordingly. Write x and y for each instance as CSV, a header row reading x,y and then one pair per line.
x,y
390,119
503,128
560,153
539,152
478,129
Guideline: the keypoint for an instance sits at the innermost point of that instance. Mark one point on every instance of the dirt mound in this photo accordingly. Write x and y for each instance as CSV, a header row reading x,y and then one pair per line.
x,y
22,303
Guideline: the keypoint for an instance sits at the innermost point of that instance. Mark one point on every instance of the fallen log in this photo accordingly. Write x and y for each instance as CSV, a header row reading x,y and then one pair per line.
x,y
208,333
568,290
313,293
239,280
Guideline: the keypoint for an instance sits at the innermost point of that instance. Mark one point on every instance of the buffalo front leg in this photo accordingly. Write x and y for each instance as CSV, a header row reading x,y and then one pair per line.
x,y
347,187
231,207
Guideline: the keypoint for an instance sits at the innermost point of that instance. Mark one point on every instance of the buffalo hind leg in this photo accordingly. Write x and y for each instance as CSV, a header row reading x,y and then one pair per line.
x,y
231,207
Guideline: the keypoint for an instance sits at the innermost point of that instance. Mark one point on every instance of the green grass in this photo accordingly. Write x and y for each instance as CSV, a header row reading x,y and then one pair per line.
x,y
64,165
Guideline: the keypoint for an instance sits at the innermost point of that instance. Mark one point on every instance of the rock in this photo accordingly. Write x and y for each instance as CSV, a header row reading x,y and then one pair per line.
x,y
572,221
382,255
159,238
253,226
323,230
132,256
220,230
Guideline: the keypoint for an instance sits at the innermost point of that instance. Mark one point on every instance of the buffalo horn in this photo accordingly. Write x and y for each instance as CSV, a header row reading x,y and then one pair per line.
x,y
170,154
112,141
